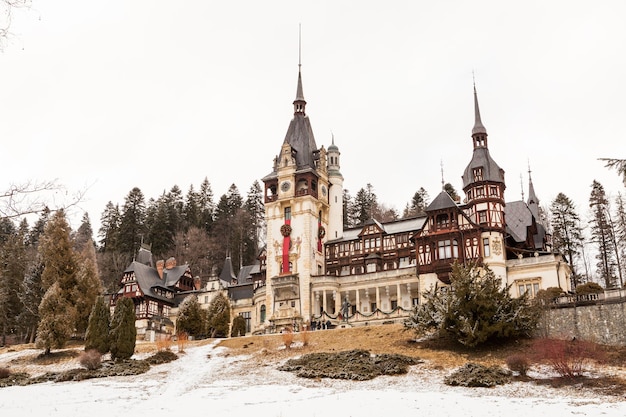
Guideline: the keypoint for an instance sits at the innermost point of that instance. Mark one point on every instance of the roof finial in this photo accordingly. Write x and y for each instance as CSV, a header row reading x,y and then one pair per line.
x,y
443,187
299,103
521,183
299,46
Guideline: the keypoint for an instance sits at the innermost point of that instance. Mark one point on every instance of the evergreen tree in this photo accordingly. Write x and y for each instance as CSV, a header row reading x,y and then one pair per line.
x,y
191,319
620,231
84,234
448,188
109,228
160,230
567,236
132,229
97,336
38,228
58,256
476,309
419,202
123,336
31,295
13,263
191,210
219,316
88,281
175,209
238,327
348,210
253,236
228,227
206,205
602,235
57,317
365,205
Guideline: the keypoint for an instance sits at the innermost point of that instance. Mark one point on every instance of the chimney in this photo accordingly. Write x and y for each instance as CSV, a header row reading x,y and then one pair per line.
x,y
159,267
170,263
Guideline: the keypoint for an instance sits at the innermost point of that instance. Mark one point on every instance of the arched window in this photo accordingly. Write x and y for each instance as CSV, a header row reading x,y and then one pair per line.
x,y
263,313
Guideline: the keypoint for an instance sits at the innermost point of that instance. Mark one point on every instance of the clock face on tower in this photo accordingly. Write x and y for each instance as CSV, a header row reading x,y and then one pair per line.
x,y
285,186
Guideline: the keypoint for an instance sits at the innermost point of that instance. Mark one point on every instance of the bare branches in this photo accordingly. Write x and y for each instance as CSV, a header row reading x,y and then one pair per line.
x,y
6,12
617,164
33,197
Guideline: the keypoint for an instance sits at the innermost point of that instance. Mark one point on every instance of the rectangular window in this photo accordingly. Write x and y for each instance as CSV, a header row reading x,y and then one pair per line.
x,y
373,306
478,174
486,249
394,304
287,213
482,217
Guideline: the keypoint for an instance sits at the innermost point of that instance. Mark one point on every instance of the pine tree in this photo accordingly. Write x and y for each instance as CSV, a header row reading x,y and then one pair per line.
x,y
57,317
620,231
191,318
239,327
253,236
59,258
84,234
132,228
97,336
348,210
419,202
191,210
219,316
476,309
602,235
365,205
567,236
31,295
228,227
207,206
13,263
123,334
88,281
109,228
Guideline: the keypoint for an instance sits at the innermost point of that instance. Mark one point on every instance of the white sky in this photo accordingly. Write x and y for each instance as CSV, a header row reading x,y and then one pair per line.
x,y
149,93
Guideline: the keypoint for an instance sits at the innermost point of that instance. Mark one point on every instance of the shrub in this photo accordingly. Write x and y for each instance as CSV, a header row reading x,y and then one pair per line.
x,y
568,358
123,331
191,319
476,309
164,343
287,337
5,373
181,340
90,359
476,375
589,288
97,336
219,316
518,363
238,327
549,295
304,335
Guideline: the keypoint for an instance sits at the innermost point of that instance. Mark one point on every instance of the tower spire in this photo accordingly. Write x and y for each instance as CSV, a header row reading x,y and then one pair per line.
x,y
299,103
479,133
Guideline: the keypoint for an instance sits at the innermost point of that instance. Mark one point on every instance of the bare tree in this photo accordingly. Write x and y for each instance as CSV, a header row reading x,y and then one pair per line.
x,y
6,13
33,197
617,164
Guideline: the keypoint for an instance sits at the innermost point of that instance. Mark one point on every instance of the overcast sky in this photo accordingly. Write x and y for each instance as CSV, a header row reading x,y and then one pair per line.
x,y
110,95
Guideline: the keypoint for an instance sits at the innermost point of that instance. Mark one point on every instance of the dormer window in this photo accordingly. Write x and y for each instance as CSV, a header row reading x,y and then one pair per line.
x,y
478,174
443,221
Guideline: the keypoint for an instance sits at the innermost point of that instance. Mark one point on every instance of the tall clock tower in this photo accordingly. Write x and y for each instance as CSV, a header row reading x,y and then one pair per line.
x,y
297,213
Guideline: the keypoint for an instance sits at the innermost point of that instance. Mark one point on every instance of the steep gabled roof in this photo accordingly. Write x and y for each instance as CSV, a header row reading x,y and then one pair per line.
x,y
441,202
148,278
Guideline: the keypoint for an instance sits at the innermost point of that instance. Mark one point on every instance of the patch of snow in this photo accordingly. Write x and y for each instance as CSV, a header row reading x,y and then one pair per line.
x,y
206,379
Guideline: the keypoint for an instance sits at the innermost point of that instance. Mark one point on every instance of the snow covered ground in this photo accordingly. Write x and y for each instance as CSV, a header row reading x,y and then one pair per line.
x,y
206,380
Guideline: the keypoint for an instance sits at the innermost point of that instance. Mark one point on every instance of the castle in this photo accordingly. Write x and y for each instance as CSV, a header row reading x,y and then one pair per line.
x,y
313,271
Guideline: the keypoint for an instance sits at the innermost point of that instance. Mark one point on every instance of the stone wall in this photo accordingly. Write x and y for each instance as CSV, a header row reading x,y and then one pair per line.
x,y
603,323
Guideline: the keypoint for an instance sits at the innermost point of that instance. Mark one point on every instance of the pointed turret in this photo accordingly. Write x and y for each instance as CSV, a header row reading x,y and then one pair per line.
x,y
533,201
479,133
299,104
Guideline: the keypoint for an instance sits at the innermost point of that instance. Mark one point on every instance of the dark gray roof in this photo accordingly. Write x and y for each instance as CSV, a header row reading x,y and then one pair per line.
x,y
148,278
300,137
246,272
481,159
227,274
241,291
518,219
442,201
